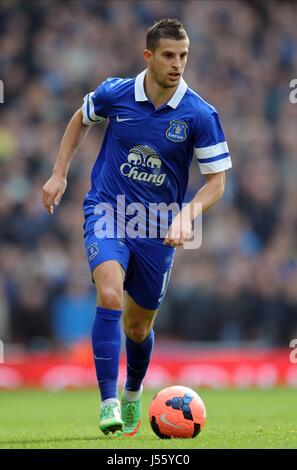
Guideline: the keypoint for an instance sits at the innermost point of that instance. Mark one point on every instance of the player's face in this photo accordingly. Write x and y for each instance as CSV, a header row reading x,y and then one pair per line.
x,y
168,61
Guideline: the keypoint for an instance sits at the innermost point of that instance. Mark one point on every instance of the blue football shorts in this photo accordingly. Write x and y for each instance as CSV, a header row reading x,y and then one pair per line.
x,y
146,262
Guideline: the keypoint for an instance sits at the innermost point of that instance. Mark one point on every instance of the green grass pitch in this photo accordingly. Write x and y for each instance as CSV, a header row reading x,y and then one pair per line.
x,y
69,419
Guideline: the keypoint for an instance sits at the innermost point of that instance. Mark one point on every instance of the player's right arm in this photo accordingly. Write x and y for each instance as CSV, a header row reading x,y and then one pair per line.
x,y
55,187
95,109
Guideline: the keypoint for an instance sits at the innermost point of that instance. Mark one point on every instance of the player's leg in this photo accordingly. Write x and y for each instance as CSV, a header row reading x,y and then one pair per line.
x,y
146,282
138,324
106,340
106,258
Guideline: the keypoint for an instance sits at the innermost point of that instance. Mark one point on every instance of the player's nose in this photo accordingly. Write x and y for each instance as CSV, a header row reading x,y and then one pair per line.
x,y
177,64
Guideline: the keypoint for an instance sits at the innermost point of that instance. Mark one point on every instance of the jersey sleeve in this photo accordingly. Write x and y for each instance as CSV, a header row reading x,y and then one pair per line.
x,y
97,104
211,148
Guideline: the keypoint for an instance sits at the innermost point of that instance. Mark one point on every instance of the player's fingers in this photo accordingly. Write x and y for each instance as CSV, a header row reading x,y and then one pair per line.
x,y
48,200
171,241
50,209
48,204
44,195
49,197
178,238
168,238
184,237
174,242
179,242
189,235
173,238
182,240
58,198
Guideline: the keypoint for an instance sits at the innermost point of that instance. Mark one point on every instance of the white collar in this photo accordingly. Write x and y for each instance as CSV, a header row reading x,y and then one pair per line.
x,y
174,100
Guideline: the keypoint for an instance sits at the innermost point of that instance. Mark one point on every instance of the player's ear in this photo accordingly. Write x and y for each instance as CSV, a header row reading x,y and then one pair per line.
x,y
147,54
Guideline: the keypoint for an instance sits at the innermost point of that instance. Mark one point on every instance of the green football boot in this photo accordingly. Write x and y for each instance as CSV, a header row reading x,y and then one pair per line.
x,y
131,415
110,418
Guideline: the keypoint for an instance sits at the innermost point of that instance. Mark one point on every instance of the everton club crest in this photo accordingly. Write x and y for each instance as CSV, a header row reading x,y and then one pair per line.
x,y
177,131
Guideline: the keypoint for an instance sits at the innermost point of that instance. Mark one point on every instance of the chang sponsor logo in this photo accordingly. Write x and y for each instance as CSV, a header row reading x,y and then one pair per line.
x,y
143,164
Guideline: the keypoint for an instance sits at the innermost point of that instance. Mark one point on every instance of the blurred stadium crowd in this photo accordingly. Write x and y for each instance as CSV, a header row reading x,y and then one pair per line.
x,y
241,284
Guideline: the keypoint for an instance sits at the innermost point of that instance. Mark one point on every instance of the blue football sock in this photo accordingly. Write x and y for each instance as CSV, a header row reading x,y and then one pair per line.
x,y
106,339
138,359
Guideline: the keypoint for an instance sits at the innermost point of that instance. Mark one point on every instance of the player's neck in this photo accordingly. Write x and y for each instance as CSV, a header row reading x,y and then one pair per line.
x,y
156,93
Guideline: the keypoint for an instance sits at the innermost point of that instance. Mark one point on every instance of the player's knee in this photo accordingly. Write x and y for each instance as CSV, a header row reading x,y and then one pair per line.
x,y
112,298
138,334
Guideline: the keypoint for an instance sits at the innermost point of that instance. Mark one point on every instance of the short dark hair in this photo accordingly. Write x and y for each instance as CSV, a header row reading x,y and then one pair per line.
x,y
166,28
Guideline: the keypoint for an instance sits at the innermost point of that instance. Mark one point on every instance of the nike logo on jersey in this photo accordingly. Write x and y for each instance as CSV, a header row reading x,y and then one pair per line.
x,y
118,119
164,420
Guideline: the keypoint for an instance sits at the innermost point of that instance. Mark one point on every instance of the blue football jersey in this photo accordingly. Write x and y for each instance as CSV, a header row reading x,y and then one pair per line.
x,y
146,152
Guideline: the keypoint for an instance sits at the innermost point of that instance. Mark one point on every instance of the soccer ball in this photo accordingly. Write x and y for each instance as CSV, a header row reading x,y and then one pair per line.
x,y
177,412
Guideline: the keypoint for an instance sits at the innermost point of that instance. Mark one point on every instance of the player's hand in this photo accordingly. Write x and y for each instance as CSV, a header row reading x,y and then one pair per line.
x,y
53,191
180,230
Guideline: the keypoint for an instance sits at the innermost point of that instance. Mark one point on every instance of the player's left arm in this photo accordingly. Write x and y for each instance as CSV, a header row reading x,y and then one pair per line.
x,y
213,158
209,194
181,227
